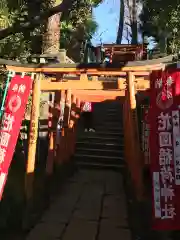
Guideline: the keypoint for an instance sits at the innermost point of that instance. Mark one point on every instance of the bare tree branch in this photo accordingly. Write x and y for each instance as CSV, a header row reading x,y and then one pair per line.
x,y
18,27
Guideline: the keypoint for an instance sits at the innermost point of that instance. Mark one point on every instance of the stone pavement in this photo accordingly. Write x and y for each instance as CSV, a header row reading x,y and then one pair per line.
x,y
91,206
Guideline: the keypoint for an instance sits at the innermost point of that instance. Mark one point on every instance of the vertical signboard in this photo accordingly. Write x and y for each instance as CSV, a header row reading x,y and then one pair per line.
x,y
165,149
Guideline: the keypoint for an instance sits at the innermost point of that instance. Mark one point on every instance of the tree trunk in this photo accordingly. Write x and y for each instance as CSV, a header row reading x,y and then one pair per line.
x,y
121,23
51,38
134,29
30,24
75,46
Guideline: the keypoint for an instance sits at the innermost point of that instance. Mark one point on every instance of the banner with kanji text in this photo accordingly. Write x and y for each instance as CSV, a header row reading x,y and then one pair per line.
x,y
14,110
164,117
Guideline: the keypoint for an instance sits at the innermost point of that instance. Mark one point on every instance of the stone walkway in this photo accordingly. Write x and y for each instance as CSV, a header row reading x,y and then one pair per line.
x,y
91,206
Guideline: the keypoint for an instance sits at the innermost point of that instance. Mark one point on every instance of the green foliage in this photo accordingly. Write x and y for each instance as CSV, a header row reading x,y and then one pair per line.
x,y
67,30
161,20
79,17
14,46
21,45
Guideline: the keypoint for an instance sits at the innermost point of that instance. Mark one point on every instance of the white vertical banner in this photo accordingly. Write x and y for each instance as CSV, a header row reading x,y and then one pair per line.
x,y
157,195
176,145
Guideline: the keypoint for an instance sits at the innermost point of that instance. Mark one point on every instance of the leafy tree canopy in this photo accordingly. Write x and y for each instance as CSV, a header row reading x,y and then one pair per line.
x,y
25,18
160,19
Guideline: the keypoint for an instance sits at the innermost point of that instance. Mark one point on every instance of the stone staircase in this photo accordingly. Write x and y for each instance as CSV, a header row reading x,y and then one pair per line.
x,y
105,147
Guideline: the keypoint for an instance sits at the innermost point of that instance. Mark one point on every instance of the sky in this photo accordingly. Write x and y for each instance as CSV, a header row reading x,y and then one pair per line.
x,y
107,17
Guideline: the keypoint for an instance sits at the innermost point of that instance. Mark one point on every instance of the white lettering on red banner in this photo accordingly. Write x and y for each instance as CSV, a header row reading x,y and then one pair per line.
x,y
2,155
14,103
164,120
16,100
176,145
165,163
19,88
158,83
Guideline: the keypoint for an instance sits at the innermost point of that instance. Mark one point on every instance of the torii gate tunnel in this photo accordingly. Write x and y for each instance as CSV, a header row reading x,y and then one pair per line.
x,y
72,84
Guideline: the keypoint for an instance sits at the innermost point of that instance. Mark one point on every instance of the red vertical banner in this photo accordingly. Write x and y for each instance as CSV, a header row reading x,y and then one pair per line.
x,y
165,149
14,110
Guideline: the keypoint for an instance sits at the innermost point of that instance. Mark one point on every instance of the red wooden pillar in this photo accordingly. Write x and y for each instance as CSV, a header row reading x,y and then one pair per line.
x,y
78,106
61,141
77,116
133,157
49,167
78,111
52,124
66,125
127,131
72,123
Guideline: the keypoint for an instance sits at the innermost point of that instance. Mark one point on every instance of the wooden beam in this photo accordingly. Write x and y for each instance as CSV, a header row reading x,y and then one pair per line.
x,y
14,65
96,74
89,85
121,45
140,83
120,52
96,92
144,73
98,95
100,78
90,71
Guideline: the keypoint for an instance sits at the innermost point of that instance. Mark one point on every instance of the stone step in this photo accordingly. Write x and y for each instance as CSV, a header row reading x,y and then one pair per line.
x,y
100,135
98,159
106,125
113,116
95,145
113,113
88,165
109,123
105,147
100,139
105,118
113,119
109,158
111,128
110,134
100,152
108,120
